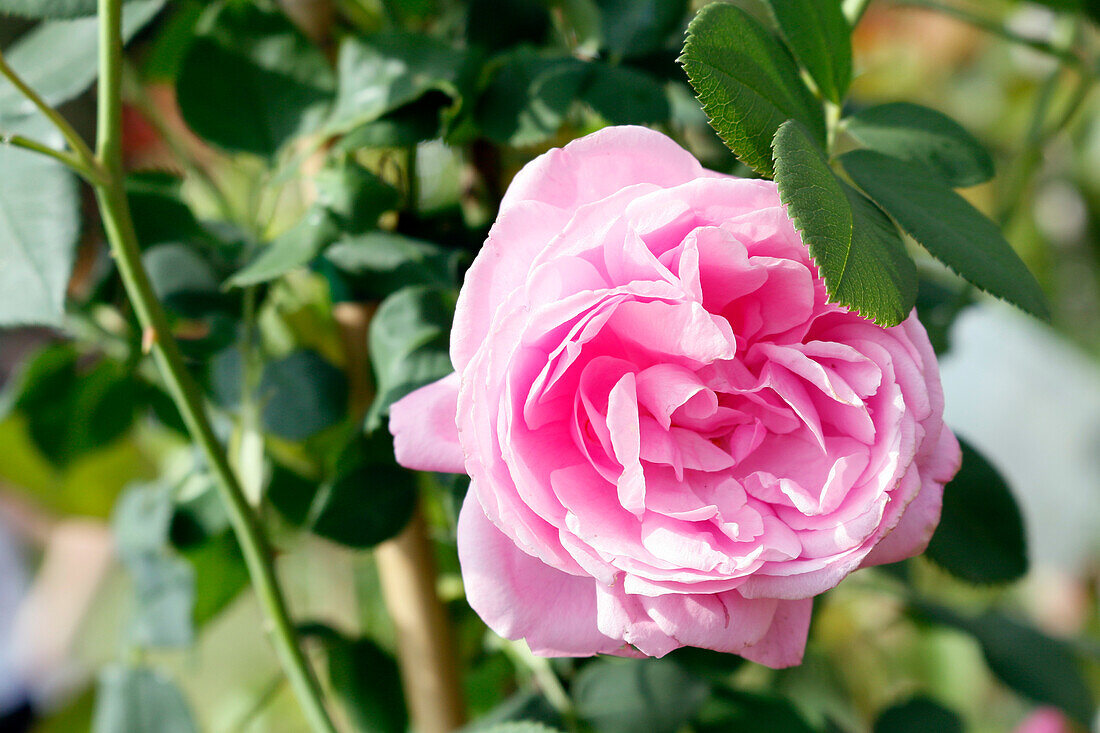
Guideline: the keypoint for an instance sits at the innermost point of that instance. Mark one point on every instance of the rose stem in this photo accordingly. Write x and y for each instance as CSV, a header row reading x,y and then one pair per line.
x,y
185,392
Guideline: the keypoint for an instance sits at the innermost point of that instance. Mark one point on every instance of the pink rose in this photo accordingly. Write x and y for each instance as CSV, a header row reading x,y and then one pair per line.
x,y
673,439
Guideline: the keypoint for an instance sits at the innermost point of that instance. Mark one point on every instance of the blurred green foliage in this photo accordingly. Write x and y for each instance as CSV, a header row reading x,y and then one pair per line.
x,y
294,163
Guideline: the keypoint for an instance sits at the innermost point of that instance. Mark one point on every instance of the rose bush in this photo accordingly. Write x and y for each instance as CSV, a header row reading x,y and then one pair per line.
x,y
673,439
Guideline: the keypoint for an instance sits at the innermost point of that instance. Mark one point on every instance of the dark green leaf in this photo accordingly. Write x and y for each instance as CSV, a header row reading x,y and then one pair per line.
x,y
748,83
183,279
623,696
405,126
296,247
381,73
937,306
39,226
256,63
857,249
496,25
409,344
522,726
946,225
368,499
73,409
980,537
524,707
528,96
366,680
140,700
58,59
918,715
1033,664
365,505
164,583
158,210
625,96
638,27
746,712
354,195
220,575
302,394
291,494
923,135
818,33
378,263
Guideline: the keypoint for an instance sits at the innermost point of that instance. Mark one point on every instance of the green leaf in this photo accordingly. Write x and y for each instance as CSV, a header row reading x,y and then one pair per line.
x,y
623,696
364,506
496,26
158,210
638,27
735,710
220,575
257,64
922,135
624,96
857,249
946,225
302,394
184,280
296,247
406,126
379,263
367,682
58,59
368,500
39,227
139,700
521,726
528,96
917,715
409,344
748,83
820,38
354,195
164,583
73,409
1033,664
383,72
525,707
980,537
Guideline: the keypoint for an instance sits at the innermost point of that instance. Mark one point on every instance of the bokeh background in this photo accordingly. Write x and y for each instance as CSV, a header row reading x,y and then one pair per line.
x,y
84,433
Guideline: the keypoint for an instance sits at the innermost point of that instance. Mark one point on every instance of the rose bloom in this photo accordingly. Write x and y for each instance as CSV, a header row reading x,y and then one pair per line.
x,y
673,438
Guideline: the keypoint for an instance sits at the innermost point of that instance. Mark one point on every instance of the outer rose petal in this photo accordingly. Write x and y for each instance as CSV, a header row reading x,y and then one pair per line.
x,y
785,642
425,437
921,517
520,597
595,166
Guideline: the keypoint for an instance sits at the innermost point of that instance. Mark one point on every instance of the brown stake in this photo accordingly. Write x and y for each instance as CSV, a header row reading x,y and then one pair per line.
x,y
425,649
406,568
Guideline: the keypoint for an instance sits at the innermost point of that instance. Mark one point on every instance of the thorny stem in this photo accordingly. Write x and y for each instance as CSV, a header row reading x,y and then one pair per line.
x,y
185,392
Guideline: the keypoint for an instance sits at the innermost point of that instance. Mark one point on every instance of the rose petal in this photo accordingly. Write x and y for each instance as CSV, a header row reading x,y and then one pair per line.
x,y
425,437
913,533
785,642
520,597
595,166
